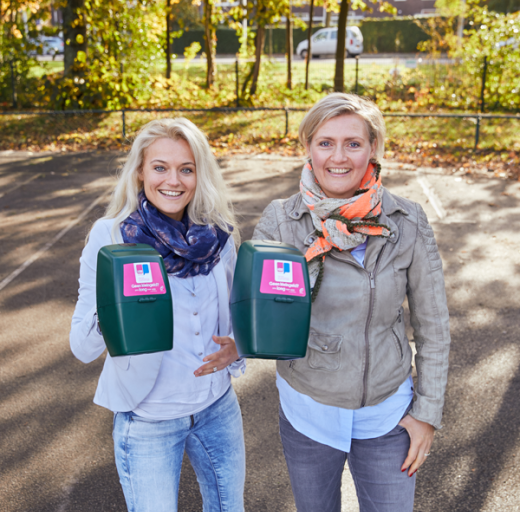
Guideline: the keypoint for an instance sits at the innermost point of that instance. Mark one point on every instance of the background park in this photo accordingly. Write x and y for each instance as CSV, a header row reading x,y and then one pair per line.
x,y
77,80
451,58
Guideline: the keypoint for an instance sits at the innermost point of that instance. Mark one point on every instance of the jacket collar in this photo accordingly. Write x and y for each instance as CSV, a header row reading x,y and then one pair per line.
x,y
298,208
389,204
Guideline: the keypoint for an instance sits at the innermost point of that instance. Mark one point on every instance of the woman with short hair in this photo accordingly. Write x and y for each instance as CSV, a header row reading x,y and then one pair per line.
x,y
171,195
352,397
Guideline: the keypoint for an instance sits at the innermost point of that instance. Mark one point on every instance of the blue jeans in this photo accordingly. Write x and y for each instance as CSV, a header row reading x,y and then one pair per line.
x,y
315,471
149,456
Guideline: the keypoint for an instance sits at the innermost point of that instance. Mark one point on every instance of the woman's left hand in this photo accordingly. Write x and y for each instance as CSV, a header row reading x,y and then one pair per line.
x,y
421,439
221,359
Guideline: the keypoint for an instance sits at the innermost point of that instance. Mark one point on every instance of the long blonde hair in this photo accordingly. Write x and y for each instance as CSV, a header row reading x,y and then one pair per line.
x,y
211,203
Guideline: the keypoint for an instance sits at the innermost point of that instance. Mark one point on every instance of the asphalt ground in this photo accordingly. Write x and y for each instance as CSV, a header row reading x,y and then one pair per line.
x,y
55,444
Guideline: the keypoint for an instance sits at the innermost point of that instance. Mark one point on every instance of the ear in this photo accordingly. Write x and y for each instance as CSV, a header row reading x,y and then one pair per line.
x,y
140,174
373,148
308,149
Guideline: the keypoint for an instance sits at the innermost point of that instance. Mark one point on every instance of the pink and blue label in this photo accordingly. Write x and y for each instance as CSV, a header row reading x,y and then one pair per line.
x,y
283,278
143,279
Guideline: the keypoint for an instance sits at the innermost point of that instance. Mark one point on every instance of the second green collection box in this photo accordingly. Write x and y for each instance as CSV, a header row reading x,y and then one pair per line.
x,y
271,301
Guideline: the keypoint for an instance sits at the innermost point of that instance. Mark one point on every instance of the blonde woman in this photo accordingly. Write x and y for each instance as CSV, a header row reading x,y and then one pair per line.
x,y
352,397
171,195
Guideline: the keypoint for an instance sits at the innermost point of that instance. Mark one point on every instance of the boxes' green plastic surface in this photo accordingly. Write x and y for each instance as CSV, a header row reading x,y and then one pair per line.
x,y
271,301
134,302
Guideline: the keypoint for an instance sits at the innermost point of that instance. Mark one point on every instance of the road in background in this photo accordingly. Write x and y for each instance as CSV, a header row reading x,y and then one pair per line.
x,y
55,444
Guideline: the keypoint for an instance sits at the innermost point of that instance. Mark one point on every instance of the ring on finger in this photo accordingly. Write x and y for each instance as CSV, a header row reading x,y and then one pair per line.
x,y
426,454
215,369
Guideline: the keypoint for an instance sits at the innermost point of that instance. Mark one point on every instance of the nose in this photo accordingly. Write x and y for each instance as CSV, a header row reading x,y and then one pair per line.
x,y
339,155
172,179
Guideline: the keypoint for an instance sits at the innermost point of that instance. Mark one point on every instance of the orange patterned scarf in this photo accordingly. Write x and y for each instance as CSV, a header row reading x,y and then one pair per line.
x,y
341,223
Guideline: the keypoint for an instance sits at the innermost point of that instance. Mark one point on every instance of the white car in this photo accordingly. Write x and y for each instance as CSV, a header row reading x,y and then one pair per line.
x,y
52,45
324,42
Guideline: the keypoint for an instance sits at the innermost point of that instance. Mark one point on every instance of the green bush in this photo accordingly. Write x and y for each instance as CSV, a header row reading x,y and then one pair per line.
x,y
397,35
381,35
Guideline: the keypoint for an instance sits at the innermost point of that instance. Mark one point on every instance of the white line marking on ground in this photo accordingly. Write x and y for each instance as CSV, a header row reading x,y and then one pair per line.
x,y
432,196
50,243
21,184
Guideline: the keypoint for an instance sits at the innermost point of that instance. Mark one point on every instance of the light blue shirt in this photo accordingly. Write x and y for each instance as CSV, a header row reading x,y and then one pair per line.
x,y
334,426
176,392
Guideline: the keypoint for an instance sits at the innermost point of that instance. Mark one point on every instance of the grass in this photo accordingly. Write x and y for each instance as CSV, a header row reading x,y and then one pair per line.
x,y
46,67
425,141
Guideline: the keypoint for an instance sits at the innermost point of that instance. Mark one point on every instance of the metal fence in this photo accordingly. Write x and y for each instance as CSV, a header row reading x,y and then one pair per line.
x,y
478,117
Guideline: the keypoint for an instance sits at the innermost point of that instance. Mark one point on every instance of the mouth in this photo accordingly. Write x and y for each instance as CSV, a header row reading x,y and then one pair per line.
x,y
170,193
338,171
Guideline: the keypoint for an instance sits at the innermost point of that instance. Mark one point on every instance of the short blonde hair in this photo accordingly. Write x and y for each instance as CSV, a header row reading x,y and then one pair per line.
x,y
211,203
338,104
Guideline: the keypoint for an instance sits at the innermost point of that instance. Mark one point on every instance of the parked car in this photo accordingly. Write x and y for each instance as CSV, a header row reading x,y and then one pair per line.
x,y
325,40
50,45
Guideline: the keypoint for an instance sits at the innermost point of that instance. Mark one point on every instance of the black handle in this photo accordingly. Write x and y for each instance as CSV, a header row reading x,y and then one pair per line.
x,y
147,299
287,300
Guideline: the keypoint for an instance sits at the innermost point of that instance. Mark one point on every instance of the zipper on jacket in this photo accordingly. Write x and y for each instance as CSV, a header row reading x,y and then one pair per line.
x,y
372,277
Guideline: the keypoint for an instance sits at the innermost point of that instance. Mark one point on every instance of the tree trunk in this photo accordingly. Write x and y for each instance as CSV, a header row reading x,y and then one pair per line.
x,y
328,16
74,32
339,75
309,48
259,46
289,49
168,40
209,38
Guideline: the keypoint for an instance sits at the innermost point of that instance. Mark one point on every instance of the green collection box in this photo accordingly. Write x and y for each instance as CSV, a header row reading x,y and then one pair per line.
x,y
134,303
271,301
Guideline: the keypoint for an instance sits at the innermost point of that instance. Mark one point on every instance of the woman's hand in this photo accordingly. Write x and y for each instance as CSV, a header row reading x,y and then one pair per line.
x,y
221,359
421,438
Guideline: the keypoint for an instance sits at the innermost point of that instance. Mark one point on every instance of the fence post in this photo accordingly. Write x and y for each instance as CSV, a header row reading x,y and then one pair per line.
x,y
13,85
482,104
357,69
237,84
477,132
123,116
286,121
483,89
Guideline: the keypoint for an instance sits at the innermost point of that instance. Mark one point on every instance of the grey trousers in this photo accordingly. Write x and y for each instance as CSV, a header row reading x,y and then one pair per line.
x,y
315,471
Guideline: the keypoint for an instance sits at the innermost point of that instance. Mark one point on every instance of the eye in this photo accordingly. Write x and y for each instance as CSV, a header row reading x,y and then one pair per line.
x,y
159,168
354,145
186,170
325,144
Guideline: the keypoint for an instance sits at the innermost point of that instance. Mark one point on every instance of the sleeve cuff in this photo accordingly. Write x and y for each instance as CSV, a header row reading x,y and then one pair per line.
x,y
237,368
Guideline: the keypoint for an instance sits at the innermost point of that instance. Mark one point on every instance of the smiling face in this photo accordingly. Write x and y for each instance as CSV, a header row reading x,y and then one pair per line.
x,y
169,176
340,150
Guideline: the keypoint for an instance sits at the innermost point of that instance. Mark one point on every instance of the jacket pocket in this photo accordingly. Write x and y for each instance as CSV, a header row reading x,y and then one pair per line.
x,y
397,343
122,362
325,351
398,326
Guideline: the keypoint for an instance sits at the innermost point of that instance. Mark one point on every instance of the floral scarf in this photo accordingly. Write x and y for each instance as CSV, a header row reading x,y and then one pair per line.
x,y
341,223
188,249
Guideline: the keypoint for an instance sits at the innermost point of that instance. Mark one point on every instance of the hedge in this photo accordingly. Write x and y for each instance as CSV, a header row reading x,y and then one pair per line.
x,y
380,35
401,35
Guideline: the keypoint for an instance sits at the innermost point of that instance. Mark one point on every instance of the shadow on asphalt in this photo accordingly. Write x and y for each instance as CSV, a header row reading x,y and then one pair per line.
x,y
482,412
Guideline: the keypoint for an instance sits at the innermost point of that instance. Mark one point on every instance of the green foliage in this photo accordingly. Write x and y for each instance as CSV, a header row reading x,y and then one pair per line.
x,y
19,44
488,34
397,35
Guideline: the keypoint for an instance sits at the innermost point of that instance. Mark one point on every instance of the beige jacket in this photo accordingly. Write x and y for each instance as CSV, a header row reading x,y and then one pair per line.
x,y
358,353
